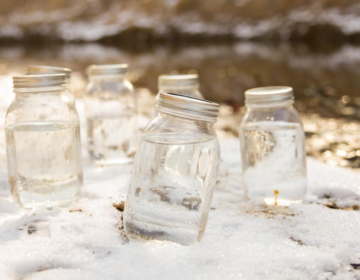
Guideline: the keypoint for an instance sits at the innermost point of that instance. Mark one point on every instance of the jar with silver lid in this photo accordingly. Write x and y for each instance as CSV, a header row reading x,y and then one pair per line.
x,y
43,143
174,172
273,147
43,69
111,115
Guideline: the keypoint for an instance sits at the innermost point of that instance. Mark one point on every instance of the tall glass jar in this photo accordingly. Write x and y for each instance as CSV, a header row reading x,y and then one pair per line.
x,y
174,172
111,115
42,69
43,143
273,147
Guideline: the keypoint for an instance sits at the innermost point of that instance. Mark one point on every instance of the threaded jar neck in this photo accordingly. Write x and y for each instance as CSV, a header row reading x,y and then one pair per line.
x,y
37,83
43,69
107,71
264,97
187,107
169,82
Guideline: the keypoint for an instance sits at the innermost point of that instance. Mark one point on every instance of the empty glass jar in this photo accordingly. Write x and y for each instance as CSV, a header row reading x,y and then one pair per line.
x,y
111,115
273,147
42,69
174,172
43,143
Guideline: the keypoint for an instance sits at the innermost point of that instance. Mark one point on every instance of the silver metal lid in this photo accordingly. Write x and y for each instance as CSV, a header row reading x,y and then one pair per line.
x,y
174,81
33,81
265,95
187,107
43,69
111,69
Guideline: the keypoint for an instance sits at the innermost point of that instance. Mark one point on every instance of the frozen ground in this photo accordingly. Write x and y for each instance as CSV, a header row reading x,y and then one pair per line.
x,y
242,240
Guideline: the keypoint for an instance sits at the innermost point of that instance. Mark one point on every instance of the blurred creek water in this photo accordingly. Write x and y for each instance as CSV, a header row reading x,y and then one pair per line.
x,y
326,82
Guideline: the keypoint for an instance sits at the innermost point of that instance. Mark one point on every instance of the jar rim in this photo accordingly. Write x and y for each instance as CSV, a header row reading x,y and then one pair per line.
x,y
187,107
267,96
39,81
178,80
107,69
44,69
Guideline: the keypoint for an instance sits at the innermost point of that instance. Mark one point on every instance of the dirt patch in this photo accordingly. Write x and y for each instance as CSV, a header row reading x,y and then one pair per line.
x,y
355,265
119,206
333,205
270,211
122,230
31,229
298,241
338,198
75,210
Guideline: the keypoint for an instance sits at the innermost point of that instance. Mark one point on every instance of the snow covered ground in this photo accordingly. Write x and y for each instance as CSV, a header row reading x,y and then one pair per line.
x,y
242,240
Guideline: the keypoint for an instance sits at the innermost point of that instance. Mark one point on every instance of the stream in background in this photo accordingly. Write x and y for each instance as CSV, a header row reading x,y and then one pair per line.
x,y
234,45
326,83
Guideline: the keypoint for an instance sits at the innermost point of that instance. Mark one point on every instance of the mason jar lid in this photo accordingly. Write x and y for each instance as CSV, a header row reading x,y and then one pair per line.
x,y
171,81
264,95
42,69
33,81
110,69
187,107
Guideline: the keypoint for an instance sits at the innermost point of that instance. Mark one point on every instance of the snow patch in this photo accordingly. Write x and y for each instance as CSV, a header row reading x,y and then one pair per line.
x,y
242,240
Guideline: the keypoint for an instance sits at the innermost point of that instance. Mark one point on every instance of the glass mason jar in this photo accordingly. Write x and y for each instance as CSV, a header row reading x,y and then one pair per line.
x,y
184,84
174,172
42,69
273,147
43,143
111,115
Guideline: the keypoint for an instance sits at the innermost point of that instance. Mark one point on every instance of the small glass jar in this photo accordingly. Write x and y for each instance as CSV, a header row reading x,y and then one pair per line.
x,y
174,172
185,84
43,143
42,69
273,147
111,115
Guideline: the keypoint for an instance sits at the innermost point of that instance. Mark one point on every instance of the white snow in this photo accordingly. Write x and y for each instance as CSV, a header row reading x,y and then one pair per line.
x,y
242,240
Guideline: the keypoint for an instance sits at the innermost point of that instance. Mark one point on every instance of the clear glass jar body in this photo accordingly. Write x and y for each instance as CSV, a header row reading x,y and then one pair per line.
x,y
43,148
68,95
112,128
173,180
273,154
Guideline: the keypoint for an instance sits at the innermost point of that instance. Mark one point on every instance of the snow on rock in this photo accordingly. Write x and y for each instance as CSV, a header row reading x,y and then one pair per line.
x,y
95,19
242,240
